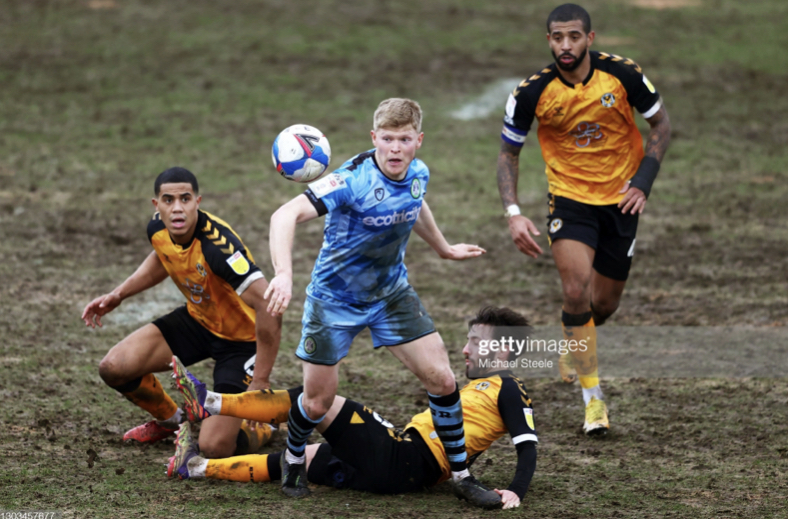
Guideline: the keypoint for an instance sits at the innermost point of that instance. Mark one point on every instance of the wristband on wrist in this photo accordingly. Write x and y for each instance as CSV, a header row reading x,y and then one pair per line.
x,y
512,210
645,175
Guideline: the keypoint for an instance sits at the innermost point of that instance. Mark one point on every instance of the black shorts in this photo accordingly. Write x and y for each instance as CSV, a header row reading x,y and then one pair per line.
x,y
191,342
364,452
602,227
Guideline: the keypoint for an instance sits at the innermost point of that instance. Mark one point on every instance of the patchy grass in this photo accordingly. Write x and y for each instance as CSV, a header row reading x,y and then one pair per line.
x,y
97,97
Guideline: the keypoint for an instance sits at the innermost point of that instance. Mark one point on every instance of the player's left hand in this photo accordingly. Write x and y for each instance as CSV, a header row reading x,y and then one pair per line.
x,y
257,384
278,294
634,200
463,251
508,499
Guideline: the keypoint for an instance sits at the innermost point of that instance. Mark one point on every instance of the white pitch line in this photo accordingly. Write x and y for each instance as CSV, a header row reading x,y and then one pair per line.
x,y
492,100
146,307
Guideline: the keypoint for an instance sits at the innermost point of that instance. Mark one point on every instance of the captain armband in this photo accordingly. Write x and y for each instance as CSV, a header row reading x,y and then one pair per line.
x,y
645,175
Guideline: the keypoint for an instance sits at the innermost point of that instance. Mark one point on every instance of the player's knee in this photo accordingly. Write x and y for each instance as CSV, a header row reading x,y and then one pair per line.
x,y
110,371
218,446
575,295
442,384
317,406
603,310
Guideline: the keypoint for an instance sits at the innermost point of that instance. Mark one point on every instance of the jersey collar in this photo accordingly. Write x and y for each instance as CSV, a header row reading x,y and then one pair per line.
x,y
201,219
592,55
400,181
504,373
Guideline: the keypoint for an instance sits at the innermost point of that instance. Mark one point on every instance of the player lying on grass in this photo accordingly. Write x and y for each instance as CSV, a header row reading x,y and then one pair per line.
x,y
371,204
364,451
224,318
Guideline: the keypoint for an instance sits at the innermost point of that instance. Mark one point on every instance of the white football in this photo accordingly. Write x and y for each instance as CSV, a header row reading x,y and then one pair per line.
x,y
301,153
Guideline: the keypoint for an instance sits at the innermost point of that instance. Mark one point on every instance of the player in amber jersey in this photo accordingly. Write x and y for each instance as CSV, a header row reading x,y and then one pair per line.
x,y
599,178
363,450
224,318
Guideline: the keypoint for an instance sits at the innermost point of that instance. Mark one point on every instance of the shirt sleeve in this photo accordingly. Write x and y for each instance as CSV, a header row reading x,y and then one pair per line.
x,y
519,116
517,414
154,225
641,94
228,258
330,192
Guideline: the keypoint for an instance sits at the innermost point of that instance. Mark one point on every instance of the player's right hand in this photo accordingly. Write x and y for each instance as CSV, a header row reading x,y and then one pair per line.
x,y
278,294
100,306
508,499
521,229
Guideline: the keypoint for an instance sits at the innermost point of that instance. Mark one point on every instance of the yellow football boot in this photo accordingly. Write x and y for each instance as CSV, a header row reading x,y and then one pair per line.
x,y
596,418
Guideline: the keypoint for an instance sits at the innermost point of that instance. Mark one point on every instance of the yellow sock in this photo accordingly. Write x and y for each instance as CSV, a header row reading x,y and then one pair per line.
x,y
252,467
265,406
580,328
151,397
258,437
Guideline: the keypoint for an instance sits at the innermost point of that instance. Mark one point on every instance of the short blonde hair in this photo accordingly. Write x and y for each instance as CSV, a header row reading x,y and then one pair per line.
x,y
396,113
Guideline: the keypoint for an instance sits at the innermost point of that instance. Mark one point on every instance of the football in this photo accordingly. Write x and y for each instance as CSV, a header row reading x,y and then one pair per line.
x,y
301,153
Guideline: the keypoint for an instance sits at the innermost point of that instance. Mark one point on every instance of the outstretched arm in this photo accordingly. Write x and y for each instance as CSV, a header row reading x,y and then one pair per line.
x,y
638,189
428,230
268,333
520,227
526,466
150,273
282,234
517,414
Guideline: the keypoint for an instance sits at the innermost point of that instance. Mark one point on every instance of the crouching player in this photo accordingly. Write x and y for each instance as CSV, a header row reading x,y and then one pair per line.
x,y
363,450
224,318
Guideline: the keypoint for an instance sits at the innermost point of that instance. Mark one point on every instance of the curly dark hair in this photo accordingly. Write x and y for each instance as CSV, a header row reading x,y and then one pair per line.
x,y
570,13
516,324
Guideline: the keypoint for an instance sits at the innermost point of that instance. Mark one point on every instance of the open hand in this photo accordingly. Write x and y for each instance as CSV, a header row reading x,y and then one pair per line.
x,y
635,199
279,293
463,251
99,307
521,229
508,499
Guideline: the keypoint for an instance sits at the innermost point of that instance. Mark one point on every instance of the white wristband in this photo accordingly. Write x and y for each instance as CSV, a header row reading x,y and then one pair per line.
x,y
512,210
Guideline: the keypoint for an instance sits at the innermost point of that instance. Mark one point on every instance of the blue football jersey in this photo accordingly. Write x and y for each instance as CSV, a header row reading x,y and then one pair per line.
x,y
368,223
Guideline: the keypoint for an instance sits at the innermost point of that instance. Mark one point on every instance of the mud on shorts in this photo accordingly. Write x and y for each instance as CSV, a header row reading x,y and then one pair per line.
x,y
602,227
364,452
329,326
192,342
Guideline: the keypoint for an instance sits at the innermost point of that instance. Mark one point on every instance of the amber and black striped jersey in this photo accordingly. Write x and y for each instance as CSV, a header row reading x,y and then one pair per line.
x,y
491,407
587,132
212,272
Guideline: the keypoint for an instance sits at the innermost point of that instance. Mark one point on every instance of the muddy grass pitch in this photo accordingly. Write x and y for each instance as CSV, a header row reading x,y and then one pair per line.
x,y
99,96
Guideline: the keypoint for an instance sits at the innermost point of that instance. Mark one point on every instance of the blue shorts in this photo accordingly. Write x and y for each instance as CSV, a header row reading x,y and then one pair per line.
x,y
329,326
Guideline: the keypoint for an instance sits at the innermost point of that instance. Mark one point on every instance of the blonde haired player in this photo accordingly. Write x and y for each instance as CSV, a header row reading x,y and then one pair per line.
x,y
371,204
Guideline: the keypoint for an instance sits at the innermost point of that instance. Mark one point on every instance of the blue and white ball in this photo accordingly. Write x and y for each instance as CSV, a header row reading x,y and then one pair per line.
x,y
301,153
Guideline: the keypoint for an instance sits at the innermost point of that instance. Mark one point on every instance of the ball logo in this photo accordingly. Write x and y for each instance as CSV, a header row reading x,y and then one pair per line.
x,y
310,345
556,225
608,100
415,188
